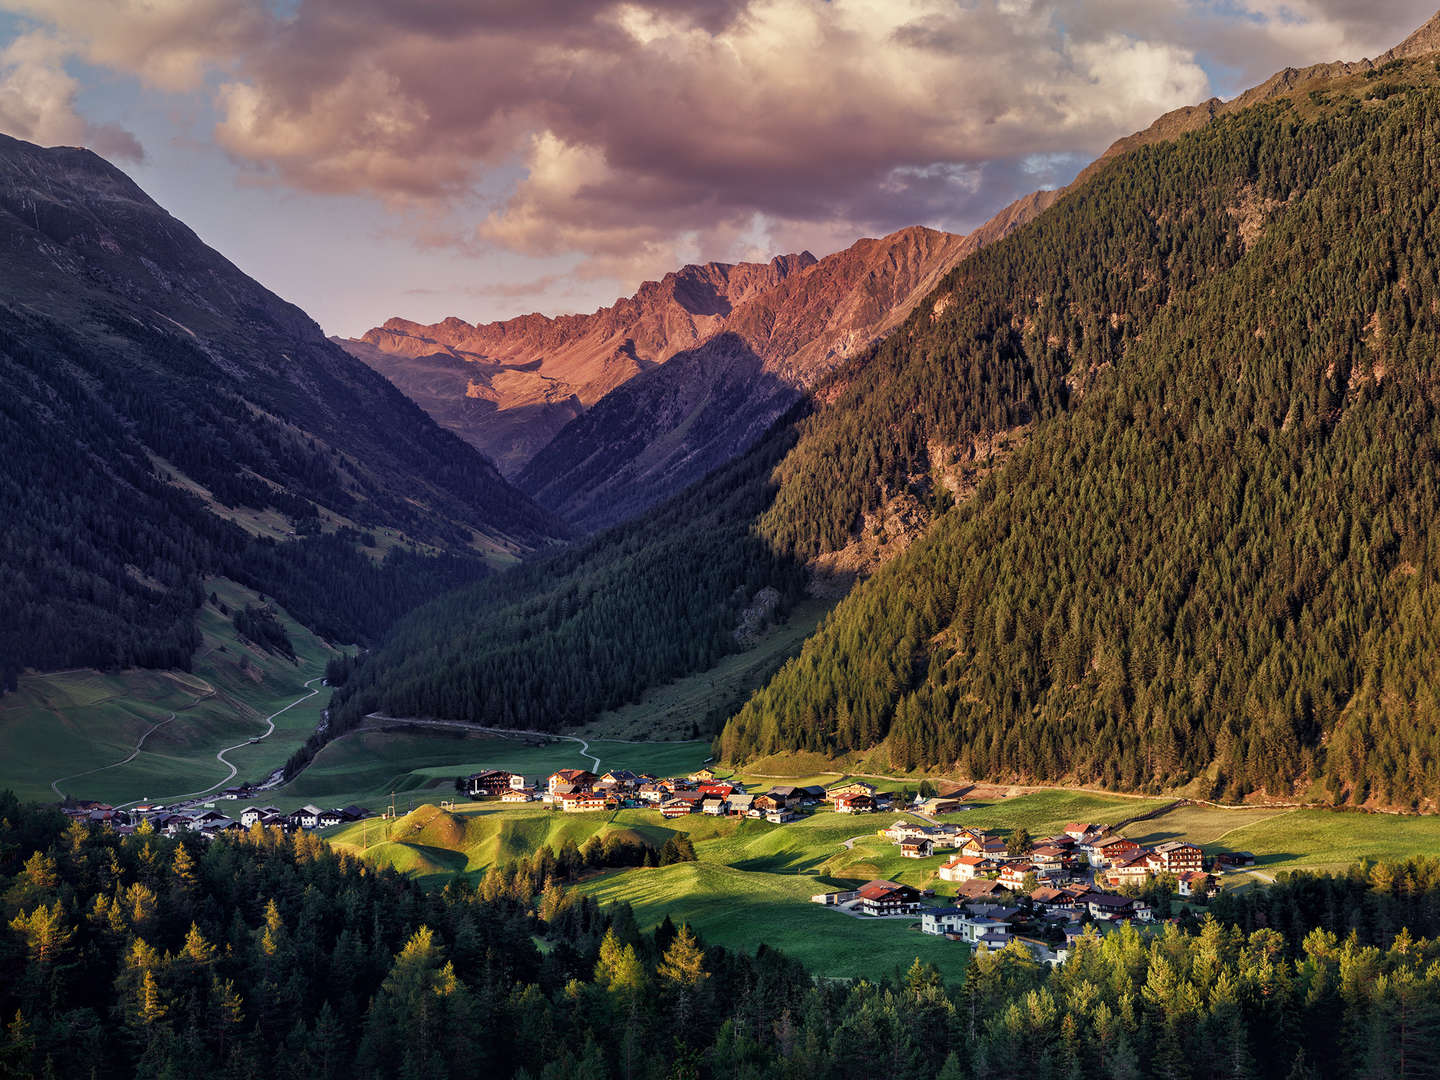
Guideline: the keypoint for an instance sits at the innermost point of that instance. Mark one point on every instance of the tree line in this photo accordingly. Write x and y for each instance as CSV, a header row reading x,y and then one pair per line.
x,y
261,953
1219,564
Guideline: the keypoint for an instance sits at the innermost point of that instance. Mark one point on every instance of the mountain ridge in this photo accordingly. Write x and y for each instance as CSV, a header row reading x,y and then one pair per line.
x,y
165,416
549,369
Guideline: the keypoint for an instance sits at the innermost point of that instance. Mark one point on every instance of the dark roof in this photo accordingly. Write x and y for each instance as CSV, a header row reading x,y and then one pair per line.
x,y
1109,900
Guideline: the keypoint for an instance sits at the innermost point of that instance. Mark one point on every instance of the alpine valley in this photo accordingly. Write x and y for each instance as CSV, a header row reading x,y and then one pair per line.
x,y
512,699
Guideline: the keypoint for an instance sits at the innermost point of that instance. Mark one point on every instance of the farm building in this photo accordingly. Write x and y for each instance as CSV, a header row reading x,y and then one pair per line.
x,y
887,898
965,867
569,779
922,848
854,803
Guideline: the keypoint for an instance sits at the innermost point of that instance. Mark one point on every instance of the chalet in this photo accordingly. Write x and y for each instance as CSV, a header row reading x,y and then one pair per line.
x,y
1111,849
946,920
922,848
965,867
1012,875
740,805
701,776
654,793
622,779
850,787
854,803
721,791
1133,870
1194,883
782,816
579,802
812,794
1109,907
489,783
330,818
978,889
172,824
219,825
765,803
1049,860
988,847
307,817
785,795
1081,831
906,830
1046,899
887,898
1175,857
713,805
571,779
680,804
517,795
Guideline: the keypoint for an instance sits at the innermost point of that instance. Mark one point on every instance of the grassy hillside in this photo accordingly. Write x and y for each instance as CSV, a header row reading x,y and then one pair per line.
x,y
1295,839
68,723
753,880
743,910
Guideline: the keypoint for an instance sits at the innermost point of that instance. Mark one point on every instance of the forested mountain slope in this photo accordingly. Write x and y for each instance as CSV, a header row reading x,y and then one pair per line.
x,y
1220,568
1092,332
666,428
162,416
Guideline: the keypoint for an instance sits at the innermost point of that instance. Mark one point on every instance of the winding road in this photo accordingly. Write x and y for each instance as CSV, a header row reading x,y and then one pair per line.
x,y
220,754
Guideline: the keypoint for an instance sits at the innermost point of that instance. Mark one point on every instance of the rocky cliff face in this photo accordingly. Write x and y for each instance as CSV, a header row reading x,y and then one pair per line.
x,y
508,387
667,427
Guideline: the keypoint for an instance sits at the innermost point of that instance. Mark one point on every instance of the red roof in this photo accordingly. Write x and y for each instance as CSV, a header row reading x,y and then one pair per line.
x,y
882,890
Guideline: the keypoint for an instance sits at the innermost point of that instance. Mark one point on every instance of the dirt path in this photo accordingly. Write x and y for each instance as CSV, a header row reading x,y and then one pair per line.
x,y
208,692
220,754
140,745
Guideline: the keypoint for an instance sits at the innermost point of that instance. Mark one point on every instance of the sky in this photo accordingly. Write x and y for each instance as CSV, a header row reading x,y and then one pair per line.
x,y
488,158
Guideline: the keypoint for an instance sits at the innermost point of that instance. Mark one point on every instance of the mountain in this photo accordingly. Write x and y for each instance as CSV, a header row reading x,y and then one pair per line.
x,y
164,416
1178,443
508,387
1212,565
667,427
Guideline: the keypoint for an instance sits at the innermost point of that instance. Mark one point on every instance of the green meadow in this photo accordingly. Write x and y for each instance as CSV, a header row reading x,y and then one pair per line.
x,y
752,883
1322,840
74,728
420,764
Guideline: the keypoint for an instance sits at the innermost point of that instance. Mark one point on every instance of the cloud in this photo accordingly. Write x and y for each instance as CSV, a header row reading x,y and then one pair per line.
x,y
648,128
37,101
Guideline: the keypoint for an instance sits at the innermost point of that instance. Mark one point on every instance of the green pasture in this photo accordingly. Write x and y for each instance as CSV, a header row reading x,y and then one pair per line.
x,y
420,764
746,909
84,722
1321,840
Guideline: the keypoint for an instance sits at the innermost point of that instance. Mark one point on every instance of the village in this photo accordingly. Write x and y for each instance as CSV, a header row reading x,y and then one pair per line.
x,y
205,820
1042,892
